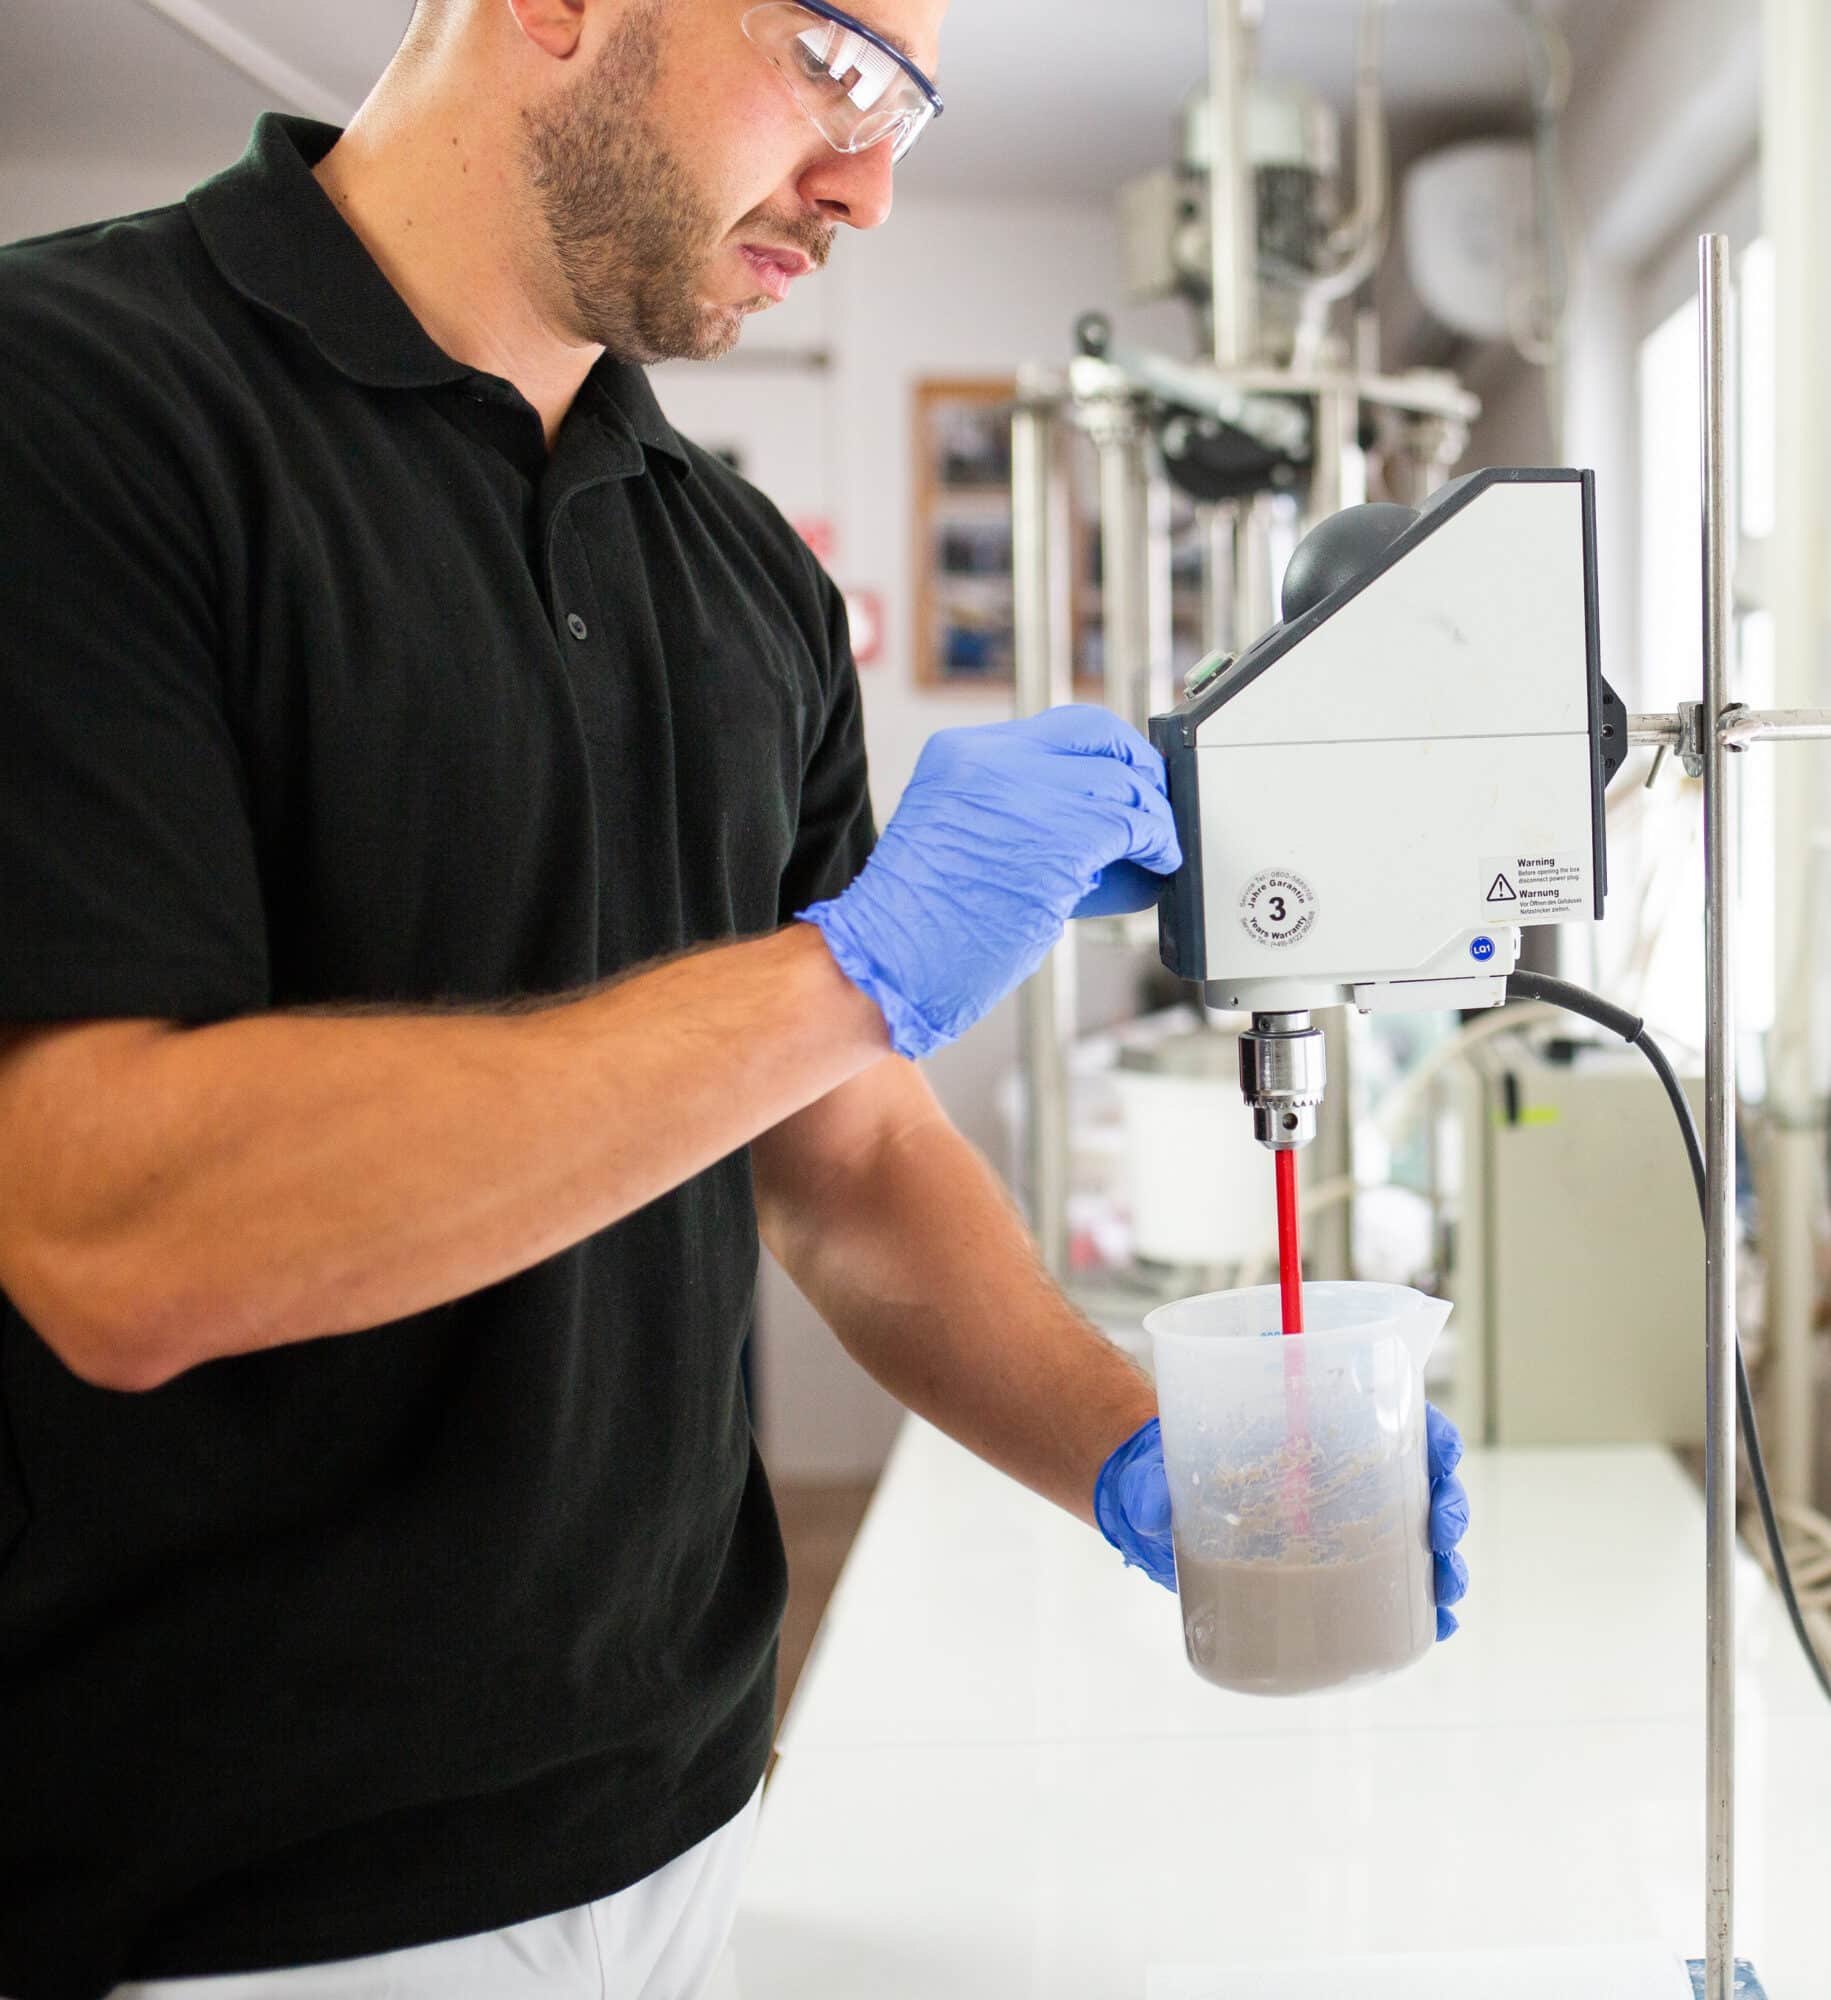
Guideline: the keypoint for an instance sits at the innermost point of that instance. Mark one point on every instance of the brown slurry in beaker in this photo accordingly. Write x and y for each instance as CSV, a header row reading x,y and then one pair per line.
x,y
1295,1627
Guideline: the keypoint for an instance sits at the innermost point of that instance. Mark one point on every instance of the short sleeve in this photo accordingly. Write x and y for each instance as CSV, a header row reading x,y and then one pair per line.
x,y
836,831
128,881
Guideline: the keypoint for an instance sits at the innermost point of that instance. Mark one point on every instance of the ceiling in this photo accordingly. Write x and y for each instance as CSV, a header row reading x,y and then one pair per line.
x,y
1069,109
113,77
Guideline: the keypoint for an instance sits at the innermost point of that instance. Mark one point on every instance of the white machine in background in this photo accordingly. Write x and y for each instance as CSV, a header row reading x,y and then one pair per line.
x,y
1471,234
1199,1198
1571,1257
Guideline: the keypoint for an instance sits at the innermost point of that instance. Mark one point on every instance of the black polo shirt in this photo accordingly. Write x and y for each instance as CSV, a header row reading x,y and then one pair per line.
x,y
322,681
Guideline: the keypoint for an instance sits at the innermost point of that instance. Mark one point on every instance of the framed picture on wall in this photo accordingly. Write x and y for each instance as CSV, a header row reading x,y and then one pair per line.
x,y
962,595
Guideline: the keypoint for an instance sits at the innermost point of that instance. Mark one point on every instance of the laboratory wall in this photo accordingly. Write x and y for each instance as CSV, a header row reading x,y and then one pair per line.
x,y
39,194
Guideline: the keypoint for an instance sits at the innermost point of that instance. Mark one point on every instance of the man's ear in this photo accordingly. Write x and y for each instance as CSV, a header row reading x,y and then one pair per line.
x,y
553,26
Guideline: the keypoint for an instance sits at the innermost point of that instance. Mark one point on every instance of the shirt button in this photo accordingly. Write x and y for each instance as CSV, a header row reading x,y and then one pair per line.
x,y
577,626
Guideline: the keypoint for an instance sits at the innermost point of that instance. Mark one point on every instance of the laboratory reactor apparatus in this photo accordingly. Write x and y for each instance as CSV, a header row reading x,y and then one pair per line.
x,y
1286,418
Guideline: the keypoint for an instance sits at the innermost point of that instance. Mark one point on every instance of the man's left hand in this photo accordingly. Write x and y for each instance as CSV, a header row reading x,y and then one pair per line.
x,y
1132,1504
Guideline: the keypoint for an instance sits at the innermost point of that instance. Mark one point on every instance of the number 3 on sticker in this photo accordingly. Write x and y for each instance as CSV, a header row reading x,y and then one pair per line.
x,y
1277,907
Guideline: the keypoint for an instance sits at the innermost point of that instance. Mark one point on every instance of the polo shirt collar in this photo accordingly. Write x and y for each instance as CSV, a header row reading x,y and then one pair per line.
x,y
277,238
629,392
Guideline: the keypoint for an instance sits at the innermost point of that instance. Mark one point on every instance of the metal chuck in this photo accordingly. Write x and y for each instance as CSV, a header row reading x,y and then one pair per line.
x,y
1283,1066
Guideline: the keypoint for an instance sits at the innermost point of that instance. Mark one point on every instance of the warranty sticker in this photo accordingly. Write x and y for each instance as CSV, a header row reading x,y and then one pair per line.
x,y
1277,907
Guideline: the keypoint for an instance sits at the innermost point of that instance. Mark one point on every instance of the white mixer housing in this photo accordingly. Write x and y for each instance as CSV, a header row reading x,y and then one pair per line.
x,y
1378,794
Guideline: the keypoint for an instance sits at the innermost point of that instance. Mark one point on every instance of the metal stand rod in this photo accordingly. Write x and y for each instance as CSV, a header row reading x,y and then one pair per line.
x,y
1719,1146
1708,735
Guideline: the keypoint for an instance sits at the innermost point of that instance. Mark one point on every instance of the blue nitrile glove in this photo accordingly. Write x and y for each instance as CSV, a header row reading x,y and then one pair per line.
x,y
1132,1506
1449,1515
1005,832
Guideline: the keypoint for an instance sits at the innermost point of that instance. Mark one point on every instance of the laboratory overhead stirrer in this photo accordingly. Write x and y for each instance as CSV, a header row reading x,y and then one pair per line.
x,y
1380,792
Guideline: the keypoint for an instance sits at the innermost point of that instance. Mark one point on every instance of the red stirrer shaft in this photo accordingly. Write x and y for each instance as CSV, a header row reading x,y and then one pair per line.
x,y
1290,1253
1296,1391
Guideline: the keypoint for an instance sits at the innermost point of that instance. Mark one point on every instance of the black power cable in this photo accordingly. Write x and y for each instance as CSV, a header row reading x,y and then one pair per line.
x,y
1575,1000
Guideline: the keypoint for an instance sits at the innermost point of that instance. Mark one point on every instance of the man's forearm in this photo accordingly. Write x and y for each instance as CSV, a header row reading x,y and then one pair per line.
x,y
285,1176
919,1263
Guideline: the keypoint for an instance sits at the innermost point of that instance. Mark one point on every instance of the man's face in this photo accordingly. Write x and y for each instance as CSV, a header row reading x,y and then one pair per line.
x,y
683,187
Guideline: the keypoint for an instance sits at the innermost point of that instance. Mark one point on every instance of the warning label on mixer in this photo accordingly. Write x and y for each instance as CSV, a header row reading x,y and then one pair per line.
x,y
1534,888
1277,907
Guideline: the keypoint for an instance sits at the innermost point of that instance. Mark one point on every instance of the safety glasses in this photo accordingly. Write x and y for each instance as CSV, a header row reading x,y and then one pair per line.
x,y
854,87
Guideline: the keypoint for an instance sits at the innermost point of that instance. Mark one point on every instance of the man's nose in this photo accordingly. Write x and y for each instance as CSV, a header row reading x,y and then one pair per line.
x,y
851,187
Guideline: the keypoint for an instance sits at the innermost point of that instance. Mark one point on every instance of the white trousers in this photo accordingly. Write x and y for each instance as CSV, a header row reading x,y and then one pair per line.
x,y
659,1939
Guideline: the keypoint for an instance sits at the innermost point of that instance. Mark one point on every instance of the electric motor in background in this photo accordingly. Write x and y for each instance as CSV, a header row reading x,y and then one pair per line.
x,y
1293,146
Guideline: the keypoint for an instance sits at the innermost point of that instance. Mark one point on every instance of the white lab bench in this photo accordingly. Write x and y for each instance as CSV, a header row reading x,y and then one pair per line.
x,y
1001,1781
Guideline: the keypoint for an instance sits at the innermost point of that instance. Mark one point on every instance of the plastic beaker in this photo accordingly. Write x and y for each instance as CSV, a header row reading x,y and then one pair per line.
x,y
1299,1482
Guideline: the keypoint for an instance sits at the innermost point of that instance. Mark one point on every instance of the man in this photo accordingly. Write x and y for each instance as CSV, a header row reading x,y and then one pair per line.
x,y
433,871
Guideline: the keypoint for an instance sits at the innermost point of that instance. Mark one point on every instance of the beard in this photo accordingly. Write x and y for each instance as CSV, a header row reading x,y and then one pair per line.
x,y
630,230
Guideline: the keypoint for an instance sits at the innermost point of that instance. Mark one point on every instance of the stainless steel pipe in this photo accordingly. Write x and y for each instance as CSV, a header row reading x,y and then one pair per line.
x,y
1774,725
1044,675
1719,1142
1118,438
1160,688
1233,262
1739,727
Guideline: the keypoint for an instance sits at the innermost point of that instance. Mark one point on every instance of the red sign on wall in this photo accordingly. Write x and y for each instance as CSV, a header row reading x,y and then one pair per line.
x,y
865,615
818,532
